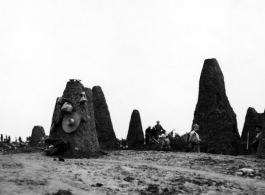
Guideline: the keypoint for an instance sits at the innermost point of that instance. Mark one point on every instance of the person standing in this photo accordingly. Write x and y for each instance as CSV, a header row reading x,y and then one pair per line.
x,y
255,143
147,135
159,129
194,139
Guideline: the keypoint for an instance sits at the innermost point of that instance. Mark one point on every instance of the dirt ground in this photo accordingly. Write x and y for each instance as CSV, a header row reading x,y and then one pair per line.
x,y
131,172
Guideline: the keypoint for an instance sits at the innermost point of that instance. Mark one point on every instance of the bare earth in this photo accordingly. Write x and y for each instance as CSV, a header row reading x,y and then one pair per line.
x,y
131,172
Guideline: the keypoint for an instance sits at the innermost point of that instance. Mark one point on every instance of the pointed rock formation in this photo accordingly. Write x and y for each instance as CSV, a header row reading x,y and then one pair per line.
x,y
36,135
83,140
135,137
106,135
252,119
216,118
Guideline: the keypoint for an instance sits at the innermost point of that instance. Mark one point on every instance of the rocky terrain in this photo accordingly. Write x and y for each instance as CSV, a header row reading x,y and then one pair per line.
x,y
131,172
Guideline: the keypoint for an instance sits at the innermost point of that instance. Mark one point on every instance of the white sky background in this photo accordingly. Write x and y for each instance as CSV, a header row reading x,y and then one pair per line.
x,y
146,55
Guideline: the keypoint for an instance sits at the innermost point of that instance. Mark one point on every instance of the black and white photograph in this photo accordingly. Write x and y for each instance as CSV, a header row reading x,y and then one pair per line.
x,y
132,97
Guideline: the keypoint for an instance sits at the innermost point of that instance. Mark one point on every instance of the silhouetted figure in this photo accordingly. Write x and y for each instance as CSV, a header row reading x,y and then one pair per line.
x,y
1,137
255,143
159,130
19,139
8,140
147,135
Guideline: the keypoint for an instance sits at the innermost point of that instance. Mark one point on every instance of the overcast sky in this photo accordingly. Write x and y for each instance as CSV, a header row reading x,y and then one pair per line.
x,y
146,55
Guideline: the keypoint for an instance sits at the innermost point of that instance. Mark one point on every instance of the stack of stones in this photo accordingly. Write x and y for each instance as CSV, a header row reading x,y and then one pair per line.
x,y
36,135
216,118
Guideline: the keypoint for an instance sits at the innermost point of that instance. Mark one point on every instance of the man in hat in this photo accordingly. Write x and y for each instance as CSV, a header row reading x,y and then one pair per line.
x,y
255,143
194,140
159,129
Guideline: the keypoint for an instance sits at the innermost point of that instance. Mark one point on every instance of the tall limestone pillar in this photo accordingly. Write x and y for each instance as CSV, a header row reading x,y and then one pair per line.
x,y
36,135
135,137
81,132
106,135
214,114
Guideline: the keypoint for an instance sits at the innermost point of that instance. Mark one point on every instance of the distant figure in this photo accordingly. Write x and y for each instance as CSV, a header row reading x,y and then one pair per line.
x,y
159,129
255,143
153,135
42,143
1,137
19,139
122,143
147,135
194,139
165,145
8,140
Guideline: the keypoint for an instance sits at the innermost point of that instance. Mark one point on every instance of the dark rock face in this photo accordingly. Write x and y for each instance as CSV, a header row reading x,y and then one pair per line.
x,y
135,137
36,135
216,118
83,141
106,135
252,119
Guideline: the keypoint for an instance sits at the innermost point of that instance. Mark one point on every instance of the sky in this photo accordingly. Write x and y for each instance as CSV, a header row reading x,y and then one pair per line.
x,y
145,55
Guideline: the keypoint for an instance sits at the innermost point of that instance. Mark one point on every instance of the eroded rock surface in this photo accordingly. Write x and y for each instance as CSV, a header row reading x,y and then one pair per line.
x,y
135,137
106,135
37,133
214,114
83,141
252,119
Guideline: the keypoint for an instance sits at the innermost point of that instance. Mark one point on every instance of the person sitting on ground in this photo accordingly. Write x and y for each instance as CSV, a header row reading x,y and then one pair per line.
x,y
255,143
147,135
194,140
165,145
55,145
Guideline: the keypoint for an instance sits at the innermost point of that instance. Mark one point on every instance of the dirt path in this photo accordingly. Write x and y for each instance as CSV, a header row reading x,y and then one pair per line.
x,y
127,172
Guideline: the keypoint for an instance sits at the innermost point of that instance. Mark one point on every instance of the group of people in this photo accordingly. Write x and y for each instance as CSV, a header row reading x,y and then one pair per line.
x,y
7,139
152,134
157,134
